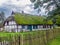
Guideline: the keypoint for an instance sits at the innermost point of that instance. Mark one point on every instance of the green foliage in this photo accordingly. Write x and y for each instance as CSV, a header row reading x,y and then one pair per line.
x,y
40,3
58,19
7,34
57,11
56,15
49,22
2,17
36,5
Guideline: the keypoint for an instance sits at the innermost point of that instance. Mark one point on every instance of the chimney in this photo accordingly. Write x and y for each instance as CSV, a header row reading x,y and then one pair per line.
x,y
12,13
22,12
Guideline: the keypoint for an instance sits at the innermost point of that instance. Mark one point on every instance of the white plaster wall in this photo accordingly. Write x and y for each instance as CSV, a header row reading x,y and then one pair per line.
x,y
9,28
12,22
12,26
19,26
40,26
15,26
6,28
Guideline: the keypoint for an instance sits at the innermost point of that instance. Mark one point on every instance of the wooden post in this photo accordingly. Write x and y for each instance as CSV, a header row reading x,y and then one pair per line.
x,y
22,39
17,28
30,39
19,40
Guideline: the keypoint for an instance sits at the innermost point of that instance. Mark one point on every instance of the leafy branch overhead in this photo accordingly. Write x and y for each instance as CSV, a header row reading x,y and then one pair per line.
x,y
46,4
52,9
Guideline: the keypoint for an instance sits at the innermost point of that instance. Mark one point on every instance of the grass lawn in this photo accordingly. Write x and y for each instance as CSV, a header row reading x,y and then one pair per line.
x,y
8,34
55,41
5,34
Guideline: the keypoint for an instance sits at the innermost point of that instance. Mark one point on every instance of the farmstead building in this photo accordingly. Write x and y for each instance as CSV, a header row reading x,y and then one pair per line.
x,y
19,22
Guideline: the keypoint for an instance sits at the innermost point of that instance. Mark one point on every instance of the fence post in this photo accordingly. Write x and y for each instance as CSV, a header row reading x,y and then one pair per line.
x,y
30,41
53,34
19,40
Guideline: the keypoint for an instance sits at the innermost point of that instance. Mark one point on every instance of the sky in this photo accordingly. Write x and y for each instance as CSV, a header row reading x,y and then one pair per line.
x,y
16,5
19,5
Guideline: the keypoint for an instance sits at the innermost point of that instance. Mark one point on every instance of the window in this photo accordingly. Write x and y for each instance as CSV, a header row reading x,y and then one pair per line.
x,y
23,26
28,27
19,26
35,27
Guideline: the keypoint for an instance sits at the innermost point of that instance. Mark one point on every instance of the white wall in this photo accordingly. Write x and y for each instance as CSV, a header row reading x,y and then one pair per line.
x,y
11,26
12,22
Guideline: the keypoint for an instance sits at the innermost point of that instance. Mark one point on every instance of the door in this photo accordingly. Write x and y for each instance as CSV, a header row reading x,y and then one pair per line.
x,y
29,27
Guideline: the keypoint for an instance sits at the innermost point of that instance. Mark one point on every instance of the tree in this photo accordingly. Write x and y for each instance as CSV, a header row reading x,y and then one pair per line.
x,y
2,17
57,19
40,3
52,14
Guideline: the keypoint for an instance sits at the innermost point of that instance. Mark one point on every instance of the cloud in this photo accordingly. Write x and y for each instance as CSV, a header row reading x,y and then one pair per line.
x,y
16,5
19,3
1,2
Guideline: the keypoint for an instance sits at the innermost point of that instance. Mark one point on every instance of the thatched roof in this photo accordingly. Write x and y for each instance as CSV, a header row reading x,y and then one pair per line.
x,y
28,19
10,18
25,19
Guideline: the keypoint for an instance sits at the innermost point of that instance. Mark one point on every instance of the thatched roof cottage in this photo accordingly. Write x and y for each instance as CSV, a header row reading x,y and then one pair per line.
x,y
20,22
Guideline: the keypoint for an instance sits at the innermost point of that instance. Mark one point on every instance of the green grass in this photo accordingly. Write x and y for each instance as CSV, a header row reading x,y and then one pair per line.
x,y
55,41
7,34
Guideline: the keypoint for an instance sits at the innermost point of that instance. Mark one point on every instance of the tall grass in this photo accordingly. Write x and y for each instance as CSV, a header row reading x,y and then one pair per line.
x,y
41,37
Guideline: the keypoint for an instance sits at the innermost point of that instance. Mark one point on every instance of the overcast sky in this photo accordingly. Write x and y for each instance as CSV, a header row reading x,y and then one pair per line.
x,y
18,5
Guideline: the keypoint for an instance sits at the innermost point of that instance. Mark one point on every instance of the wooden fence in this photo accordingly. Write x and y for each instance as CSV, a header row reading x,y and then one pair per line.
x,y
31,38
